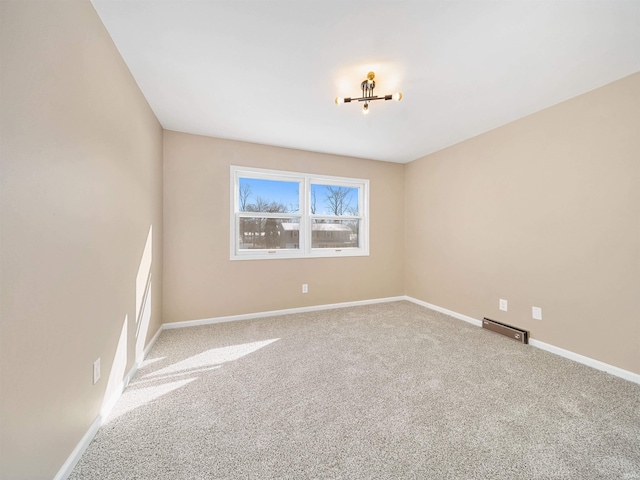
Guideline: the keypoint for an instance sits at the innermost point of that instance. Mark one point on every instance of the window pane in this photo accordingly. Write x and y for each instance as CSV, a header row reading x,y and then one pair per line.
x,y
333,200
272,196
334,233
269,233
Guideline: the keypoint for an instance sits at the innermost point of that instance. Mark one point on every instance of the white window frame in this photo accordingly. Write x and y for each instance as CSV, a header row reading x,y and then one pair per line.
x,y
304,215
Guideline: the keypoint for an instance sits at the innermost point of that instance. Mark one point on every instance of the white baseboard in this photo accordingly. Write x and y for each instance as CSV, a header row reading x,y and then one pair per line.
x,y
597,364
619,372
273,313
451,313
107,406
152,342
69,465
73,459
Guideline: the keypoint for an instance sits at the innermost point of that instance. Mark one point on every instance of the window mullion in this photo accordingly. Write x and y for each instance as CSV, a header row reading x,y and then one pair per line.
x,y
267,215
305,223
335,217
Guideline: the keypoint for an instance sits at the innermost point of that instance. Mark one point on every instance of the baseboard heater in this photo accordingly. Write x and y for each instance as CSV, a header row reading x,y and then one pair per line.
x,y
516,334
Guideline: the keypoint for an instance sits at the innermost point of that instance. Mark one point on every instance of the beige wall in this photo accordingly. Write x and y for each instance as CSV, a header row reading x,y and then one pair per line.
x,y
81,184
199,279
544,211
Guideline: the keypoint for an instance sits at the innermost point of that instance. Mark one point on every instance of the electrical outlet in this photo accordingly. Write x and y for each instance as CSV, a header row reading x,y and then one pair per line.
x,y
305,288
503,305
96,371
536,313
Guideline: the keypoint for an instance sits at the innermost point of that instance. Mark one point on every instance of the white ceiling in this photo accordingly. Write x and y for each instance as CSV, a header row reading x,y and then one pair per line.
x,y
268,71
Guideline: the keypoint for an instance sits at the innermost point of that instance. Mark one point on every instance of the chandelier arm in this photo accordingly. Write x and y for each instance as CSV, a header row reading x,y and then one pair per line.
x,y
367,99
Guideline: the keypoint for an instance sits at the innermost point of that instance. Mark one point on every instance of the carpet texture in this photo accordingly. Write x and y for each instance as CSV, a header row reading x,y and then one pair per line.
x,y
390,390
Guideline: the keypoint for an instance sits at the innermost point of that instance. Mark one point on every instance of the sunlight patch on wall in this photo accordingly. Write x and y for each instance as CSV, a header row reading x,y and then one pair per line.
x,y
143,325
144,273
118,368
143,296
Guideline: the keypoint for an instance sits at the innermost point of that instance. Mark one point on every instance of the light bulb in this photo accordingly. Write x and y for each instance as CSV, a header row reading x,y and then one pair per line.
x,y
339,100
397,96
365,109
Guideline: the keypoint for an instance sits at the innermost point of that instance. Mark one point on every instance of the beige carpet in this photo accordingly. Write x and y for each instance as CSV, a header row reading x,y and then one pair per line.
x,y
384,391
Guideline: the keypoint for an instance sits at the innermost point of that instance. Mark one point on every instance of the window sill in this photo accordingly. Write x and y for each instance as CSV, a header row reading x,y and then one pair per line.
x,y
282,255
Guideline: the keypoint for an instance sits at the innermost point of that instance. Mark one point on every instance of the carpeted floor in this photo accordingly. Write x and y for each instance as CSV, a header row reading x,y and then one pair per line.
x,y
383,391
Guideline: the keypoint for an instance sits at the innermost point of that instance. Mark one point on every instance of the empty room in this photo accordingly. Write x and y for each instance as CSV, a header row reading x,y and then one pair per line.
x,y
304,239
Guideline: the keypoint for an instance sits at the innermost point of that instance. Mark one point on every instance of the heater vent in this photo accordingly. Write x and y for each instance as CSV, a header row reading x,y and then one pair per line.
x,y
514,333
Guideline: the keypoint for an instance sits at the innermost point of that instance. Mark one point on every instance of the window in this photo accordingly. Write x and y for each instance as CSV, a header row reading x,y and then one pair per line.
x,y
277,214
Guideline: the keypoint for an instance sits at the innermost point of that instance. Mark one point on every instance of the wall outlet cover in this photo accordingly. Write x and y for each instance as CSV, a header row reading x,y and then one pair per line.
x,y
536,312
503,305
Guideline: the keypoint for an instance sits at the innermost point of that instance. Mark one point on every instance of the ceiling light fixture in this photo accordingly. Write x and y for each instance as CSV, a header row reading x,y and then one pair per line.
x,y
367,94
